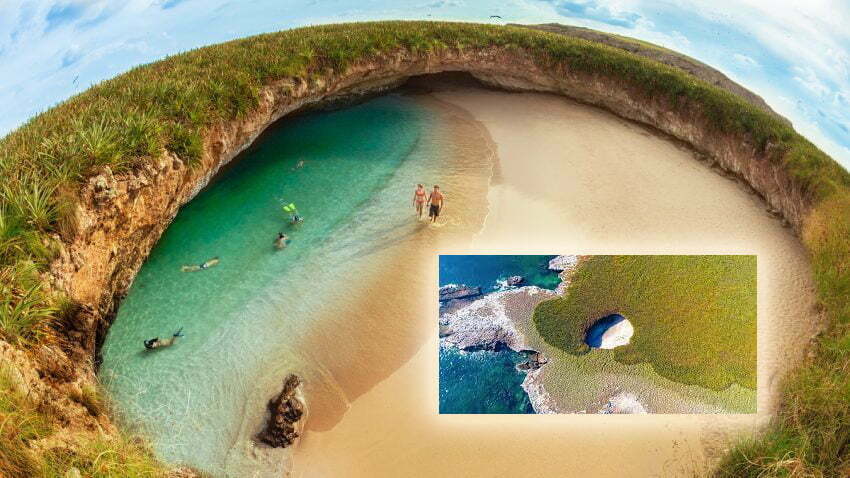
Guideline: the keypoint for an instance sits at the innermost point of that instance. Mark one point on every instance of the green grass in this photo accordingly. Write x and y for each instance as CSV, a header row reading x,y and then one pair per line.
x,y
811,435
24,421
686,310
168,105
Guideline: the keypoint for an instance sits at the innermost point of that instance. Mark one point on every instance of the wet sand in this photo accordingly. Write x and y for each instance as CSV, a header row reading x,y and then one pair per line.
x,y
575,179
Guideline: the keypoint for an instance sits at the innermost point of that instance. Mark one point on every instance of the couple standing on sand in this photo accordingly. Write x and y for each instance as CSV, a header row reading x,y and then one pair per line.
x,y
435,199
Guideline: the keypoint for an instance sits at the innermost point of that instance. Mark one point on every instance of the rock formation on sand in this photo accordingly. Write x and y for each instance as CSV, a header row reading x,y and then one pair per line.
x,y
286,410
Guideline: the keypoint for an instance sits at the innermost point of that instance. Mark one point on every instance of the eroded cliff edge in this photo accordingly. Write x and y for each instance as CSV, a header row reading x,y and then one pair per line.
x,y
121,217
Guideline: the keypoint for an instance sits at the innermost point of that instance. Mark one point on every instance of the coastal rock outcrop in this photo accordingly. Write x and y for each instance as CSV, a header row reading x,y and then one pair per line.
x,y
285,412
454,291
496,319
565,265
562,263
492,320
514,281
534,362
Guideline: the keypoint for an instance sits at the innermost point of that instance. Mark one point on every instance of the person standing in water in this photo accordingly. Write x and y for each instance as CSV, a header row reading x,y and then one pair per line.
x,y
419,199
281,240
436,200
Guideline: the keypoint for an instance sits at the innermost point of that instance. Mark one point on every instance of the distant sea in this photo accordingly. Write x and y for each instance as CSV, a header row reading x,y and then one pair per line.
x,y
486,381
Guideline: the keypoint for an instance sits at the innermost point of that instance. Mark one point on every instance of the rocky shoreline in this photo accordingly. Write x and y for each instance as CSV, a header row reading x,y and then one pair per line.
x,y
495,320
492,320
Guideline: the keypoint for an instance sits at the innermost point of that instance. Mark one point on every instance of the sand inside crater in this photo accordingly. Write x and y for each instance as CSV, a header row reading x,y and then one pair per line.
x,y
575,179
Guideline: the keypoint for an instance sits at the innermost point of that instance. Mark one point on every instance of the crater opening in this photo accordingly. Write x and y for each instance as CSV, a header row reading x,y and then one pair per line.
x,y
608,332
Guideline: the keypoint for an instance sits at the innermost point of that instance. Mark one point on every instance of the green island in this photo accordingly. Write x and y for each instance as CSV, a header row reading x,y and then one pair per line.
x,y
169,105
687,311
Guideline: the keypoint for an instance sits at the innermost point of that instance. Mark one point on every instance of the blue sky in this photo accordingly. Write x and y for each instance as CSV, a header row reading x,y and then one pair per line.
x,y
794,54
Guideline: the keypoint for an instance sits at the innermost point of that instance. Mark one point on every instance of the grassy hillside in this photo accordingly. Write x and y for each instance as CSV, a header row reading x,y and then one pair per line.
x,y
694,316
168,105
24,420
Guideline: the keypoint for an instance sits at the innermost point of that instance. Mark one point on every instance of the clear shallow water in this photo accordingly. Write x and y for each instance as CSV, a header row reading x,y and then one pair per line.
x,y
242,317
487,381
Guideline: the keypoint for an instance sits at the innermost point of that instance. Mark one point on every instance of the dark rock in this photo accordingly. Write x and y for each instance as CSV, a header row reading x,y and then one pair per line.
x,y
449,292
285,410
515,280
535,361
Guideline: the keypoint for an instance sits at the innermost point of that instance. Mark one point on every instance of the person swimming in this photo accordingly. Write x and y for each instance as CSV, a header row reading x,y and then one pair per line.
x,y
198,267
156,343
281,240
294,216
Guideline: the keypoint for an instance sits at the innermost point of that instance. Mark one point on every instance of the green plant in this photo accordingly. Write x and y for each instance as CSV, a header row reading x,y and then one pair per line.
x,y
24,313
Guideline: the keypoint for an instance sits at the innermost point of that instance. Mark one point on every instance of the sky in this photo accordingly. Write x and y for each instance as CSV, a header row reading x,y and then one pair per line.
x,y
796,55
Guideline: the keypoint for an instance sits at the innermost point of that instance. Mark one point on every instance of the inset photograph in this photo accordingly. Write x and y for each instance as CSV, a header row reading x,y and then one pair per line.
x,y
665,334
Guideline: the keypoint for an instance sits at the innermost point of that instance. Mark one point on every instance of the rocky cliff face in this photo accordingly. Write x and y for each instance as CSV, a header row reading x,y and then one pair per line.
x,y
121,217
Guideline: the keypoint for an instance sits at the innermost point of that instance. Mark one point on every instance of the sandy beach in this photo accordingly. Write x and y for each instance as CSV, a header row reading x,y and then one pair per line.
x,y
573,179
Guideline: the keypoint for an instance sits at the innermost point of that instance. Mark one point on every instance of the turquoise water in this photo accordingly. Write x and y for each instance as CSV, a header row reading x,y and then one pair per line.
x,y
486,271
482,381
487,381
199,400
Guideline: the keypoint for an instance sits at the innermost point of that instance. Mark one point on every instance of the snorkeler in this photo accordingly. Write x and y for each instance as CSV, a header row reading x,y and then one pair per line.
x,y
419,199
281,240
294,217
205,265
155,343
298,165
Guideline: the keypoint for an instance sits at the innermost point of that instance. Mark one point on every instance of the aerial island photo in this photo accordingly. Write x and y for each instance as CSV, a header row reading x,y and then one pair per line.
x,y
322,239
597,334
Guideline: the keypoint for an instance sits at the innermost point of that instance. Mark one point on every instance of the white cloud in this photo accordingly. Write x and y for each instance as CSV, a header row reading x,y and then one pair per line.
x,y
681,40
809,80
745,60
